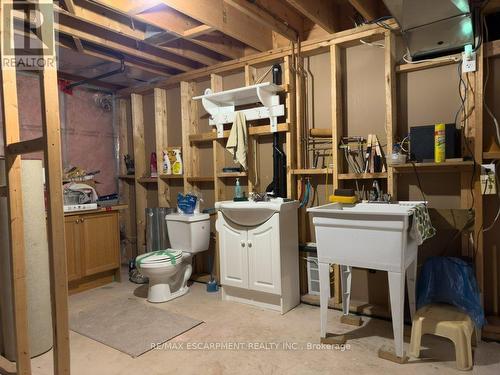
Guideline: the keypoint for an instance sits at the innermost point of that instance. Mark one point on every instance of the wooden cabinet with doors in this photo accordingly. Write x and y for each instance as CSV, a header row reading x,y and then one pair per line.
x,y
92,249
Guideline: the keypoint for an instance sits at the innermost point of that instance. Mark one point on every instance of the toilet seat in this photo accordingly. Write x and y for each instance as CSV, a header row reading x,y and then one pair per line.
x,y
159,258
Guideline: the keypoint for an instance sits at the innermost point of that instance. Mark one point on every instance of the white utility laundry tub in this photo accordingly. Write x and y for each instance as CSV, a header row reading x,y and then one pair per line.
x,y
367,235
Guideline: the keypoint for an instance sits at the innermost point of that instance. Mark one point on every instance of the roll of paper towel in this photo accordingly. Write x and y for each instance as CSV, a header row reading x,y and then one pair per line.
x,y
37,265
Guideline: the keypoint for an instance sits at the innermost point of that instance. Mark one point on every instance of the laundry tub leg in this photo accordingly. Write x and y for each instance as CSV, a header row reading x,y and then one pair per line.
x,y
397,296
346,275
324,296
411,280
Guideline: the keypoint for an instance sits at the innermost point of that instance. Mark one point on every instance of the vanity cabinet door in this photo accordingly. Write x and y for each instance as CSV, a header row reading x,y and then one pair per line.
x,y
264,257
233,254
100,241
73,255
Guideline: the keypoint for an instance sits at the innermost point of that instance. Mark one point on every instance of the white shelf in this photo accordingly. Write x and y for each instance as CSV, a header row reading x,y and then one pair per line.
x,y
221,105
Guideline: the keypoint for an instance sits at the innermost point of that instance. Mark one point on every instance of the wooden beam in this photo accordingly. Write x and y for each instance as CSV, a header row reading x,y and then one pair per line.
x,y
492,49
143,6
140,170
25,147
117,46
177,23
226,19
321,12
369,9
197,31
189,121
390,105
11,134
264,18
71,8
105,27
51,127
160,104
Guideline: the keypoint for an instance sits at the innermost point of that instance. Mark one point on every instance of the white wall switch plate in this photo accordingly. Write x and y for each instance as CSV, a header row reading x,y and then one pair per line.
x,y
468,62
488,179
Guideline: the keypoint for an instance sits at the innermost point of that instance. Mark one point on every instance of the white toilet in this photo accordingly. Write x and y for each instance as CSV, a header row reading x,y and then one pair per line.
x,y
169,270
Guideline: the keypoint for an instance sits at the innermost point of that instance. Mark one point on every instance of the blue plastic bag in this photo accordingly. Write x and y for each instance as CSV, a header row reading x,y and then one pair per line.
x,y
452,281
186,203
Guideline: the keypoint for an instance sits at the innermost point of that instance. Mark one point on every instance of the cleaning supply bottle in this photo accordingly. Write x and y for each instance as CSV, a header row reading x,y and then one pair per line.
x,y
177,165
439,143
237,189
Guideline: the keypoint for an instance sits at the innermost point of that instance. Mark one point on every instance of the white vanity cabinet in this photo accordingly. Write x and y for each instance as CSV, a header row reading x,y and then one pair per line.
x,y
259,263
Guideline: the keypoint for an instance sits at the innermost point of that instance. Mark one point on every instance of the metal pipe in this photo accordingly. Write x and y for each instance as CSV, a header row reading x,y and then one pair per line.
x,y
101,76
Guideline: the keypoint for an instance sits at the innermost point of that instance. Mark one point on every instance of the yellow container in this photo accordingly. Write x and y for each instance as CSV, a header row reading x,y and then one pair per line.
x,y
439,143
341,199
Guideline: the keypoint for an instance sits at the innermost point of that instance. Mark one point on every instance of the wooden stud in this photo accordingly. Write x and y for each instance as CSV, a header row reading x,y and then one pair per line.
x,y
11,133
160,103
140,170
55,218
189,118
25,147
216,85
337,111
390,106
290,146
127,216
250,77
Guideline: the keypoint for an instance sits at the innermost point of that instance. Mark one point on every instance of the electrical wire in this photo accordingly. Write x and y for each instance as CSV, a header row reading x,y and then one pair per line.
x,y
447,58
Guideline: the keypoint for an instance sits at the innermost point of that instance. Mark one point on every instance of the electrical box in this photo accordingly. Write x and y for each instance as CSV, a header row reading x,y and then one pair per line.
x,y
488,179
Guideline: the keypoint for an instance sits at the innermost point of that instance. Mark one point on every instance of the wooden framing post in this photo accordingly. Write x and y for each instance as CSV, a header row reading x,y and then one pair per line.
x,y
160,104
189,118
337,118
250,76
55,213
126,217
219,184
390,105
290,146
11,133
337,110
140,170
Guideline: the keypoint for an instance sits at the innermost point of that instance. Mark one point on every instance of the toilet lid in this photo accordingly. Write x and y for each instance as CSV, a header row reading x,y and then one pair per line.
x,y
159,256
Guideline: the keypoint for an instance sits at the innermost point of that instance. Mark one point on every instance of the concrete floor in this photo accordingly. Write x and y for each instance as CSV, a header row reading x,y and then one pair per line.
x,y
234,322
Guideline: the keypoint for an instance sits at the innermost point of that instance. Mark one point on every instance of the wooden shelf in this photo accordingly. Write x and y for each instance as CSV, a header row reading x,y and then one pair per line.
x,y
171,176
126,177
361,176
449,166
312,171
495,155
147,180
201,179
231,174
252,130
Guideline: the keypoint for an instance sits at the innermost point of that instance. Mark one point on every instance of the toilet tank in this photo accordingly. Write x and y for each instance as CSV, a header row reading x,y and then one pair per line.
x,y
190,233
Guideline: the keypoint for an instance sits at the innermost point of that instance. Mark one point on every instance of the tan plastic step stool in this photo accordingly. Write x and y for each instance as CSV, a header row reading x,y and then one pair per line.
x,y
445,321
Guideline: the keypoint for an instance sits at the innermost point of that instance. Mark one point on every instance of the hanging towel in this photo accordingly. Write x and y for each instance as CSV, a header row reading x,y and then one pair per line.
x,y
237,143
422,228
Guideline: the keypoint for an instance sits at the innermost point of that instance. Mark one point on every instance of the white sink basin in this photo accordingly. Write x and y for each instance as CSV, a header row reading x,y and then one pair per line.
x,y
250,213
397,208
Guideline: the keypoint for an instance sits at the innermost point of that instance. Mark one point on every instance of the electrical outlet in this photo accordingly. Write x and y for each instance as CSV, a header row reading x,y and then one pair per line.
x,y
488,179
468,62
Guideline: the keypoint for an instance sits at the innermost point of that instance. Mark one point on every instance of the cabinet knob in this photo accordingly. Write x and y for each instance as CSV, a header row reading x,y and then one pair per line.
x,y
249,244
242,243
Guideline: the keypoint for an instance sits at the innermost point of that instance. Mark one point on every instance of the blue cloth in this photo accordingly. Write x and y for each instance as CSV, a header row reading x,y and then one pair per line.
x,y
452,281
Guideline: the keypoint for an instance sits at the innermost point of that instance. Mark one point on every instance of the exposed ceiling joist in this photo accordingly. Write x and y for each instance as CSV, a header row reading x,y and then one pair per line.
x,y
143,6
176,23
369,9
115,27
226,19
70,6
321,12
265,18
197,31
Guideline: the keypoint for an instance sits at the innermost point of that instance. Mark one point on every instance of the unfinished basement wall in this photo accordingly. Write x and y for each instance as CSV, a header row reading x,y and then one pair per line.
x,y
86,130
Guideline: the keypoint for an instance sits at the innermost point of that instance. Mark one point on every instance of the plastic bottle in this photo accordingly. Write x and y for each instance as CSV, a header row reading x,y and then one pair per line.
x,y
177,165
439,143
237,189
